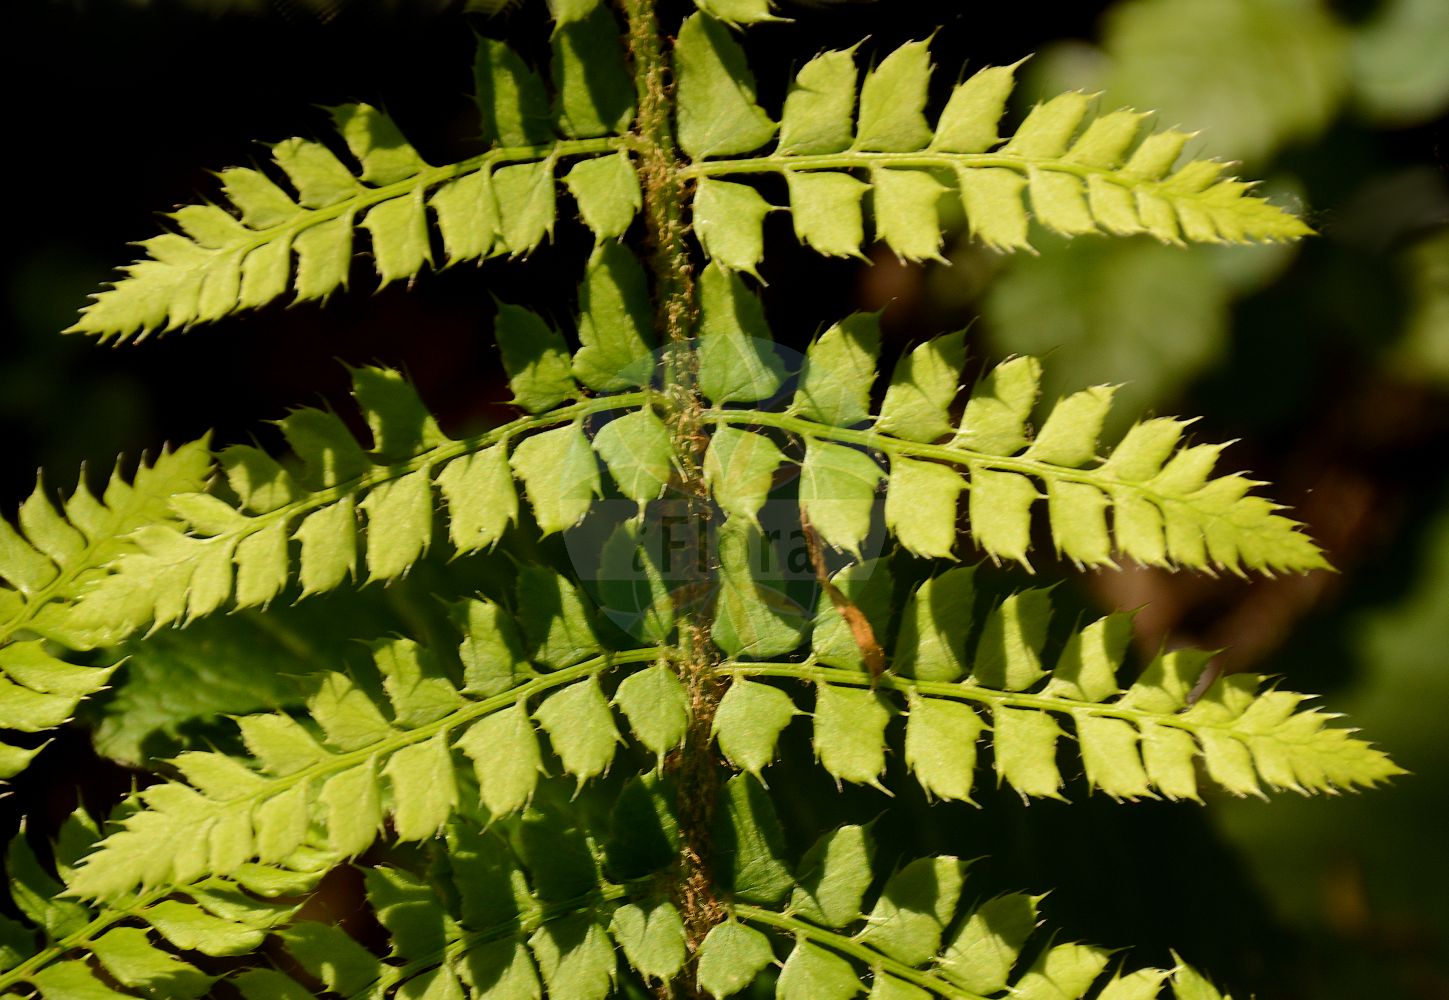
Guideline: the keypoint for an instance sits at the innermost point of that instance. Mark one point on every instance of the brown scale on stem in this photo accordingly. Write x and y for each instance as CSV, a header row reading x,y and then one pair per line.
x,y
694,766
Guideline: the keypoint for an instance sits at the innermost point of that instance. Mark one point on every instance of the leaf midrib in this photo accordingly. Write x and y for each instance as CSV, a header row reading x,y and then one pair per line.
x,y
956,455
427,177
250,524
273,785
86,935
877,961
966,691
928,159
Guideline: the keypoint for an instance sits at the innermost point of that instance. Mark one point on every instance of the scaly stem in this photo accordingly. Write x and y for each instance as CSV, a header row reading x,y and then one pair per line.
x,y
662,175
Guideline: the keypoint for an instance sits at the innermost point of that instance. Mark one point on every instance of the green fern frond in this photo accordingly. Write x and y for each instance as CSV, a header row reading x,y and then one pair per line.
x,y
918,939
840,138
1164,504
581,778
47,564
954,680
138,945
267,240
533,906
394,755
224,259
242,553
56,556
915,936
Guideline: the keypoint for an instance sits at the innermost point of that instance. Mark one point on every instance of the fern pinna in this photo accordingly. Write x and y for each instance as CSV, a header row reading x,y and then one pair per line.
x,y
559,786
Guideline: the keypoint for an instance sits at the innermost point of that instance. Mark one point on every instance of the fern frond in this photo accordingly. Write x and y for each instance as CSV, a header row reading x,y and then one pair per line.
x,y
139,945
533,906
839,138
1165,506
918,939
266,240
307,527
47,563
915,936
394,755
53,556
953,681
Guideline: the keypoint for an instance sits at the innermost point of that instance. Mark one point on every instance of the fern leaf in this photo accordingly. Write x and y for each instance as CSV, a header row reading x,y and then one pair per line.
x,y
267,239
839,137
179,689
1163,503
737,361
526,906
615,323
716,105
141,945
306,525
867,586
918,937
606,190
753,615
394,754
740,12
47,562
55,556
594,90
954,678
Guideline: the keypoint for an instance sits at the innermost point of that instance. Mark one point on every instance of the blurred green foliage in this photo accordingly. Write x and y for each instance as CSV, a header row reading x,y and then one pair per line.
x,y
1423,352
1399,74
1354,875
